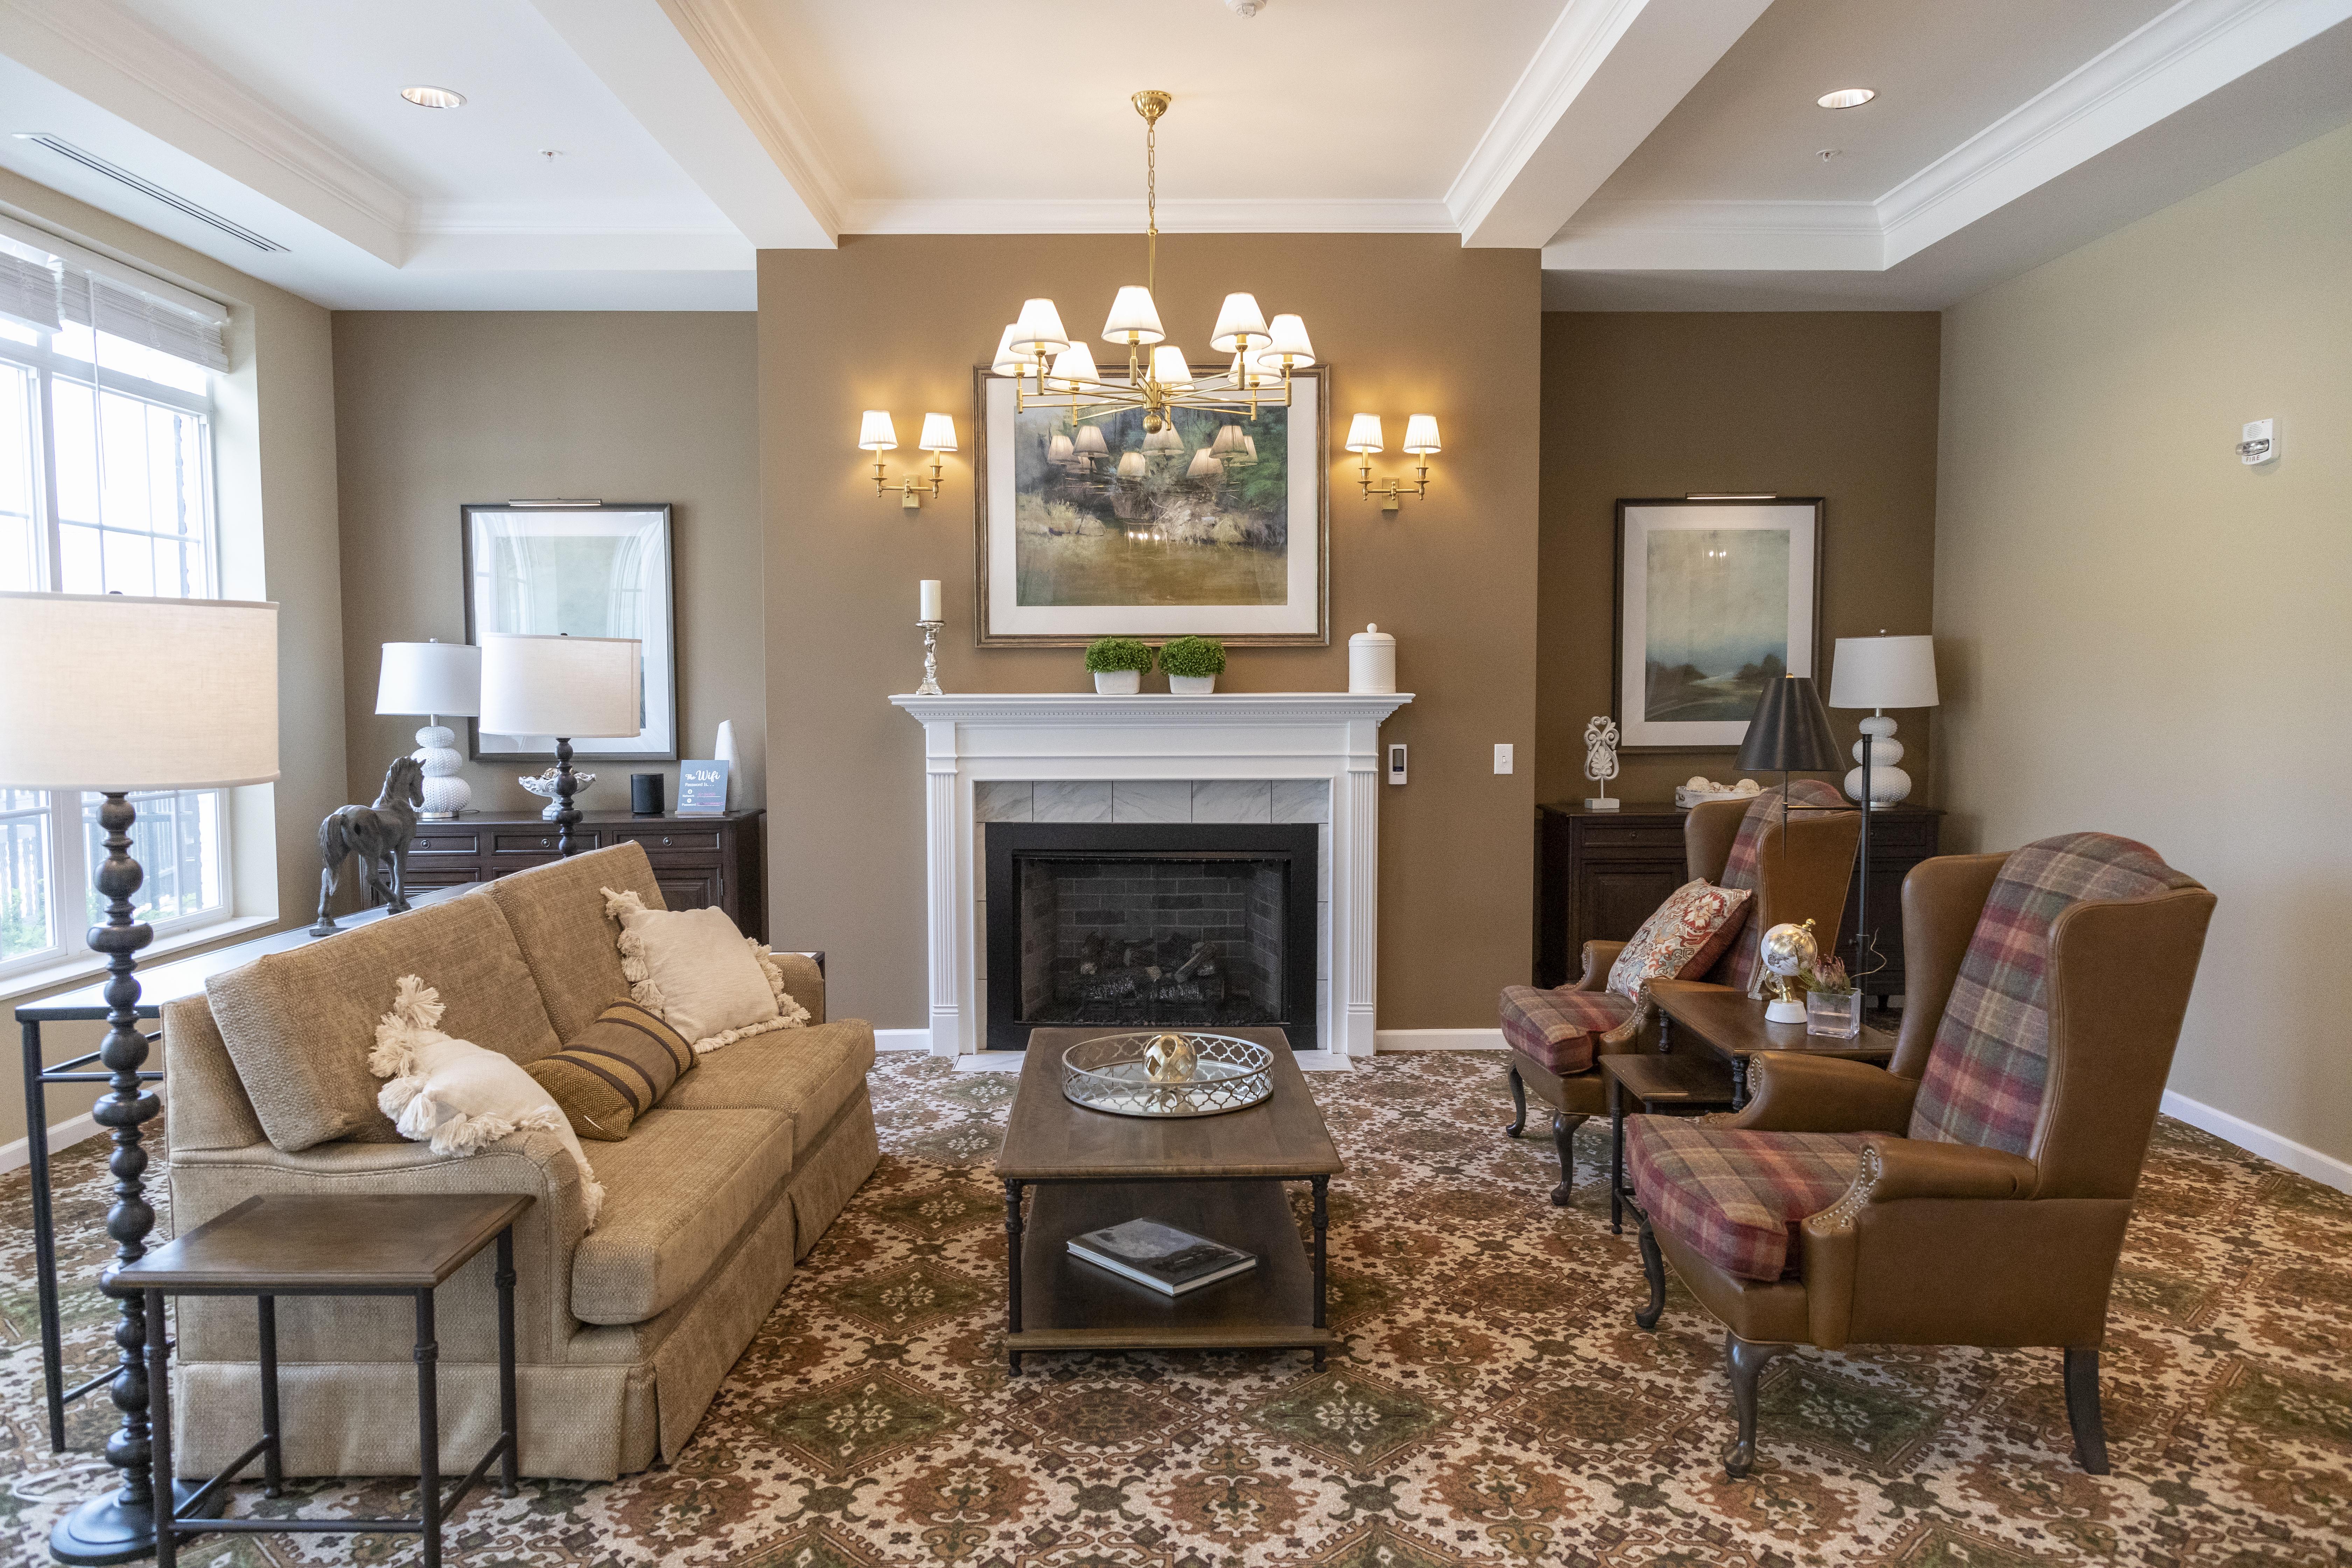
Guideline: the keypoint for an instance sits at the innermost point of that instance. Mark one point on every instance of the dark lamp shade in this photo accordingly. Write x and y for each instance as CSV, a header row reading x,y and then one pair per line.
x,y
1790,731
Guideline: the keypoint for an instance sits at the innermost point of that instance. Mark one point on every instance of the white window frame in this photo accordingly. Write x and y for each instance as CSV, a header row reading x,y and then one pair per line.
x,y
69,868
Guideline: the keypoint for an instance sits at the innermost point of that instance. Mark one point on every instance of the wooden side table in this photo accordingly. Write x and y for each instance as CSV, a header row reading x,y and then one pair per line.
x,y
1732,1026
271,1247
1666,1085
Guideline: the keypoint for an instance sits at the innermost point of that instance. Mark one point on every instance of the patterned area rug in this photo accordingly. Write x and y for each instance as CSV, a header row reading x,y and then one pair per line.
x,y
1495,1402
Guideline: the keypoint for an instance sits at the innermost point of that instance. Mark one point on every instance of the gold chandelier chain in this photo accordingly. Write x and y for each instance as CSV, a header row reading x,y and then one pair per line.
x,y
1151,203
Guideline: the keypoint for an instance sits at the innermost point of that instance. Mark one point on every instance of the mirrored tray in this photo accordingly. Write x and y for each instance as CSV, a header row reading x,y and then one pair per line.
x,y
1109,1073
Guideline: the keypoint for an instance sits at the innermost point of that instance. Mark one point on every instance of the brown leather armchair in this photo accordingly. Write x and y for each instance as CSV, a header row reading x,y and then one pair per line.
x,y
1976,1191
1797,873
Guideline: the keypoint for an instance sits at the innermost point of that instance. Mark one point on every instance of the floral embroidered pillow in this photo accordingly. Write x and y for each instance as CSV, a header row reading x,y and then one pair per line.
x,y
1687,934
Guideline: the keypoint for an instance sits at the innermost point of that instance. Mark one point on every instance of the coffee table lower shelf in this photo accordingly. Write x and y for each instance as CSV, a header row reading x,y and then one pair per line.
x,y
1058,1303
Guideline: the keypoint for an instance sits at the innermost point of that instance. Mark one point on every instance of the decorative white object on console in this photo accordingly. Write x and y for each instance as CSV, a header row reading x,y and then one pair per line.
x,y
434,679
1879,673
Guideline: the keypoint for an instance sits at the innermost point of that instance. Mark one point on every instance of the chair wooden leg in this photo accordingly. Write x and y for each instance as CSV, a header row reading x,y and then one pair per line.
x,y
2083,1409
1563,1138
1746,1361
1654,1267
1518,1104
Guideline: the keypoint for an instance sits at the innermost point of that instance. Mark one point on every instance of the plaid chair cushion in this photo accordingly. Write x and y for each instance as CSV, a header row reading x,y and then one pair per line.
x,y
1737,1199
1685,935
1737,966
1992,1057
1555,1027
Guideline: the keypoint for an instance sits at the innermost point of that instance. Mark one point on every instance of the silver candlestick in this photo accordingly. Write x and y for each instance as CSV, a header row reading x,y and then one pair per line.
x,y
930,686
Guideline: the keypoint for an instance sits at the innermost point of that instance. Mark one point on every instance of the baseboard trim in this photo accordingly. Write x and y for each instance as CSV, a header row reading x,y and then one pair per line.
x,y
902,1039
64,1134
1438,1040
2325,1169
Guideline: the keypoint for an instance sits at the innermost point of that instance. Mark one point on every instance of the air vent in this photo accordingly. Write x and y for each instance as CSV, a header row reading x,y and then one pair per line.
x,y
178,204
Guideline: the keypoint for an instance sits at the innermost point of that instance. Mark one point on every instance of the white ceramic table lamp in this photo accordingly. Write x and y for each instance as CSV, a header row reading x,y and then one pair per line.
x,y
1879,673
114,695
435,680
566,688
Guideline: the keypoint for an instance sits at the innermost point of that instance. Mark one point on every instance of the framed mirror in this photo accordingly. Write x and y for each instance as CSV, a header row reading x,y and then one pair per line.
x,y
590,569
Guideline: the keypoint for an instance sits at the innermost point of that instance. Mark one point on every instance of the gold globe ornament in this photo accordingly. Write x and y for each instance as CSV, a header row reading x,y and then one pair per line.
x,y
1169,1059
1788,951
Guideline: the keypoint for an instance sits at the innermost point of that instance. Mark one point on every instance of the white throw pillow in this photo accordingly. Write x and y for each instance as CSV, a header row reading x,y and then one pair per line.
x,y
693,970
459,1097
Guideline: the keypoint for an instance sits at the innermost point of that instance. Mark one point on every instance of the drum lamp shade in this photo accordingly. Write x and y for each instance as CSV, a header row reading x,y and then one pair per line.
x,y
567,687
430,678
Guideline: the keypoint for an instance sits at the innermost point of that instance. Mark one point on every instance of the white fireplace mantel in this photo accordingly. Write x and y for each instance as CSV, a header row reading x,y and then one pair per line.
x,y
970,740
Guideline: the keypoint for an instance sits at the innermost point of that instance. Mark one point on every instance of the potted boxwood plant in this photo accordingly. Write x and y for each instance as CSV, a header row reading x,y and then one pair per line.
x,y
1192,665
1119,664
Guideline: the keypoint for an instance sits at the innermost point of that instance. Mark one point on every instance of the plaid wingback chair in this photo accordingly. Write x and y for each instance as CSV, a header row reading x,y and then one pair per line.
x,y
1557,1037
1975,1191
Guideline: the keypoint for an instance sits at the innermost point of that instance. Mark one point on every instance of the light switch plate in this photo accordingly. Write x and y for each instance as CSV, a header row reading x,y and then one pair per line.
x,y
1502,756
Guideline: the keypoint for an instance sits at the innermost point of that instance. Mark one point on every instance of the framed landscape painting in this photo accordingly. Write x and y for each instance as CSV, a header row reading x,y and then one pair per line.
x,y
1714,599
1083,532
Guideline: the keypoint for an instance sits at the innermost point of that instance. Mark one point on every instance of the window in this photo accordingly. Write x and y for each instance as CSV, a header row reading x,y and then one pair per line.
x,y
105,487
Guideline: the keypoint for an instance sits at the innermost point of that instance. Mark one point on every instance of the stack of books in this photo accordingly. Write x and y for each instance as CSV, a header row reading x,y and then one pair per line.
x,y
1171,1261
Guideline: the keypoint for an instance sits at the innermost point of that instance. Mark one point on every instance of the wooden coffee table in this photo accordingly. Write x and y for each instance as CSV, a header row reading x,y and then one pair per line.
x,y
1218,1176
1727,1023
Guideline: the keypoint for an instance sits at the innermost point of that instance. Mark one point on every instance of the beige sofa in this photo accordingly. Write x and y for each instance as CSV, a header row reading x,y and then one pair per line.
x,y
624,1332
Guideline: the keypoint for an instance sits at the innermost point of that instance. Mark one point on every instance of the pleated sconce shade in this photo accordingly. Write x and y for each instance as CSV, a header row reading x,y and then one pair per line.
x,y
108,692
1790,731
568,687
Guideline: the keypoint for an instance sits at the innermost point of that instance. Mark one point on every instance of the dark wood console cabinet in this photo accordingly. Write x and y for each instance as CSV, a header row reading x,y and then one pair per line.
x,y
699,861
1600,874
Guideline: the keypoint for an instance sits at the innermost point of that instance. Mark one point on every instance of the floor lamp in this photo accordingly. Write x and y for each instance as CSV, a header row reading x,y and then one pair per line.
x,y
567,687
1878,673
194,705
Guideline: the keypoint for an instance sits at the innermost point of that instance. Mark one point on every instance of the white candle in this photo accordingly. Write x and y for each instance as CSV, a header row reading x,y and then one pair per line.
x,y
931,597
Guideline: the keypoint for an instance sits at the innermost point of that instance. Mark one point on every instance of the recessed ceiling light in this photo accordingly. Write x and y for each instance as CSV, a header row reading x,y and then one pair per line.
x,y
443,98
1846,98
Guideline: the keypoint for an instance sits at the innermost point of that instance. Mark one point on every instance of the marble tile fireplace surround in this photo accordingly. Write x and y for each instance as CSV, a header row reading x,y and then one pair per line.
x,y
1071,757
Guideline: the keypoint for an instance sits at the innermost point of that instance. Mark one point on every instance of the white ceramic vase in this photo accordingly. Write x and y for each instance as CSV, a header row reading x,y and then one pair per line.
x,y
1192,685
446,795
1118,682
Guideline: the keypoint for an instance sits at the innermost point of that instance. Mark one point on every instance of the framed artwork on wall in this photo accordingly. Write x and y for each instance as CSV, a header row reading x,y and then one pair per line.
x,y
590,569
1714,599
1082,533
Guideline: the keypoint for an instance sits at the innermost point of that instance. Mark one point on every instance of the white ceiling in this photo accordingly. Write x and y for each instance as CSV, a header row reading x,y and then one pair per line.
x,y
1662,153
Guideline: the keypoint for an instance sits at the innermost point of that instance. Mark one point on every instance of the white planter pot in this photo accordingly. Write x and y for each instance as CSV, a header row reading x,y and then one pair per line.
x,y
1192,685
1118,682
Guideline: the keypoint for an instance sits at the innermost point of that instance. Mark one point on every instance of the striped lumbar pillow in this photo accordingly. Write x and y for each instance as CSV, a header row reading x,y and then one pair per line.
x,y
616,1071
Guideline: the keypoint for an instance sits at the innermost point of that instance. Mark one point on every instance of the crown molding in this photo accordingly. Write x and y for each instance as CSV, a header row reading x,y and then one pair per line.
x,y
1639,236
2175,60
319,180
729,48
1118,215
1571,52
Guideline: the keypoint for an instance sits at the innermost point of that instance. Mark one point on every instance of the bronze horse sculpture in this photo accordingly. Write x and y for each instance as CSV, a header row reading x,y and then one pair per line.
x,y
379,834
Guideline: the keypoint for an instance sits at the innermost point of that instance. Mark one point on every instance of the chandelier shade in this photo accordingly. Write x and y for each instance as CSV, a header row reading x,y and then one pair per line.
x,y
1073,367
1132,466
1240,325
1008,361
1134,320
1287,347
1169,368
1039,328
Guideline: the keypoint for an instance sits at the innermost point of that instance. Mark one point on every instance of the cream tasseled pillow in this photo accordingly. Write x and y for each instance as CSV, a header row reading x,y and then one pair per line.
x,y
693,970
459,1097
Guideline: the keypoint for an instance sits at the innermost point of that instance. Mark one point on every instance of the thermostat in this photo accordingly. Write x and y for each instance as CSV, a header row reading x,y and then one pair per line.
x,y
1396,763
2259,442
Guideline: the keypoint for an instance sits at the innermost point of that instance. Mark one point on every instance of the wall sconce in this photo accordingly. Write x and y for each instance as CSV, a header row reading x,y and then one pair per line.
x,y
877,436
1364,438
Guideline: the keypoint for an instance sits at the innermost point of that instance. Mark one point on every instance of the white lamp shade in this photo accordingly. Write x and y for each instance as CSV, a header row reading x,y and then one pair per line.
x,y
1168,367
1133,318
1132,466
1090,439
1884,672
1364,433
566,687
1009,361
1240,323
1072,366
1229,440
1421,433
195,705
1204,466
1058,448
1287,344
875,431
1040,327
939,433
430,678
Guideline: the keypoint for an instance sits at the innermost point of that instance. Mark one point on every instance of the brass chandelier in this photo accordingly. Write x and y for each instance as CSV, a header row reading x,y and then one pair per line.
x,y
1052,370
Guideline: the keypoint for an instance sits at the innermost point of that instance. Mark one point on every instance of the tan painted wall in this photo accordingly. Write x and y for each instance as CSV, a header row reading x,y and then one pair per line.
x,y
274,442
1411,325
435,409
1840,405
2142,635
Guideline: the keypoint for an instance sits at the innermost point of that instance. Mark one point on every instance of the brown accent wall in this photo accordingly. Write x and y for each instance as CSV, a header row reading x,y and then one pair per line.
x,y
1840,405
1410,324
435,409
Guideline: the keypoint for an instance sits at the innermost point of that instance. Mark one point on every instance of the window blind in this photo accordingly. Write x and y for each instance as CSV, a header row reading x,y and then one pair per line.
x,y
126,301
143,318
29,292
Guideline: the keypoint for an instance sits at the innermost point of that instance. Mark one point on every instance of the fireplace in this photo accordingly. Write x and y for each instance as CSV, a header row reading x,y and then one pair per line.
x,y
1143,925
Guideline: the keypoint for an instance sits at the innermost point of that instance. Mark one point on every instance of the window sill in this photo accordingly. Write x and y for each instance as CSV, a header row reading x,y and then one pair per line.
x,y
85,967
